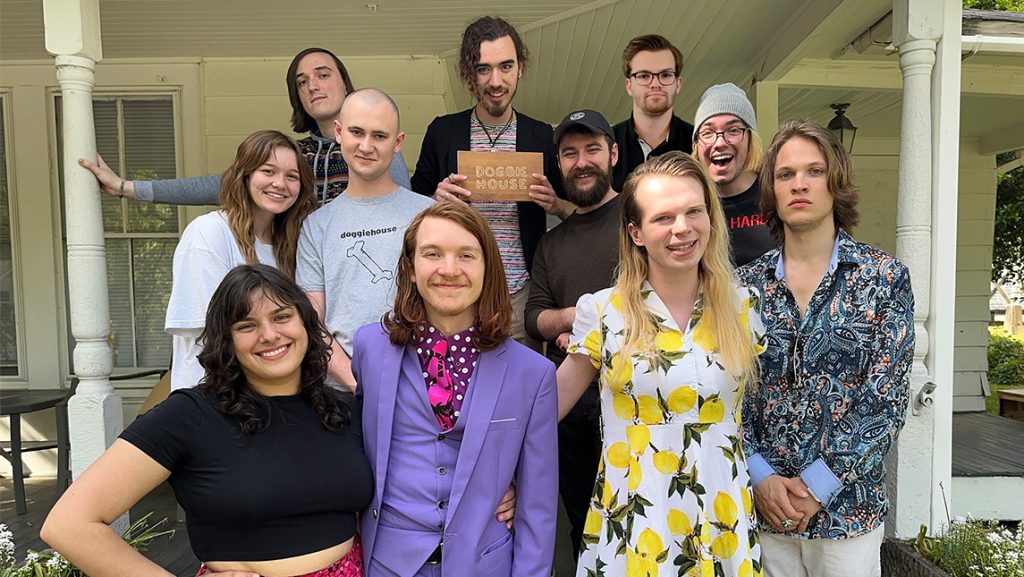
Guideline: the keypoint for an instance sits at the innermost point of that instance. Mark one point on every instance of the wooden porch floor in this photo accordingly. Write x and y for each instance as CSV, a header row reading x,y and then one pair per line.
x,y
173,553
985,445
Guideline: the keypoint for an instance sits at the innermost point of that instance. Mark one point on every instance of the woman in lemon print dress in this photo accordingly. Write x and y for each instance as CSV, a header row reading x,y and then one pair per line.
x,y
674,340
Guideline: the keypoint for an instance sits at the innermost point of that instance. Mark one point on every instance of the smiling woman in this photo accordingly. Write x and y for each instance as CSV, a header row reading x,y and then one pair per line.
x,y
265,195
263,401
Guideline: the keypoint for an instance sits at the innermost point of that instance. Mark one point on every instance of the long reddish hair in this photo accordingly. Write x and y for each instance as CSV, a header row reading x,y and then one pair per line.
x,y
494,315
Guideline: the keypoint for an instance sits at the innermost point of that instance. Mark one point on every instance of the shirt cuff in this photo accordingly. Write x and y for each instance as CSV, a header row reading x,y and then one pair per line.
x,y
143,190
759,469
821,481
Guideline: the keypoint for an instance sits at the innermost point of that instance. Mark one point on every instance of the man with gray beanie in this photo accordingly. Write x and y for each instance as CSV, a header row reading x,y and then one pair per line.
x,y
725,140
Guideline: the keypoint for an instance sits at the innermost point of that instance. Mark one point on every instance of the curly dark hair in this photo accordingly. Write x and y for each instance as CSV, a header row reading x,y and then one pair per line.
x,y
231,302
486,29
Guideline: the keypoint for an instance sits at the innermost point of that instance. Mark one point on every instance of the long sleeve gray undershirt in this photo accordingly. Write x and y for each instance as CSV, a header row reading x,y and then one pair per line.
x,y
196,190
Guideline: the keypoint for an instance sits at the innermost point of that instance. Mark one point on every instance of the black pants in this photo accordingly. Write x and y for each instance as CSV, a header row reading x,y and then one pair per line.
x,y
579,448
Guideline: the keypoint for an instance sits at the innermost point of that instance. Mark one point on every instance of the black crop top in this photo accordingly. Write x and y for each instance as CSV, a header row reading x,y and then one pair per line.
x,y
292,489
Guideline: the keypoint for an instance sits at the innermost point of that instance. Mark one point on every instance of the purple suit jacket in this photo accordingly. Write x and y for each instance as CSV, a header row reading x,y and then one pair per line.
x,y
514,393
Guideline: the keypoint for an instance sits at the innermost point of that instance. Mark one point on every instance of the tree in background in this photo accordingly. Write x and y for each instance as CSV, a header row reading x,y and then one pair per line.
x,y
1004,5
1008,242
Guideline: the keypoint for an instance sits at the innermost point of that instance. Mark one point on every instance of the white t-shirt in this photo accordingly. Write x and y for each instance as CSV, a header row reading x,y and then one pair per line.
x,y
206,252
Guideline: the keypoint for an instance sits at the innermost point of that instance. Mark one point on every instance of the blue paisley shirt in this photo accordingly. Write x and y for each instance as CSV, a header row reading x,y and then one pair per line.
x,y
834,384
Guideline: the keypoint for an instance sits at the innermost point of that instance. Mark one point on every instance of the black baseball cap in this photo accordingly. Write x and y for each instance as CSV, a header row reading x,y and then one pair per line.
x,y
592,120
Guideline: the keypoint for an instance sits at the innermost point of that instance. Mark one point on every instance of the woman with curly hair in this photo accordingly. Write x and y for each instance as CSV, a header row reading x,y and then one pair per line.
x,y
265,196
266,460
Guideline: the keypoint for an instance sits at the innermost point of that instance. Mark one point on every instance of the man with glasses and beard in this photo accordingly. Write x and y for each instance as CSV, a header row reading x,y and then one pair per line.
x,y
575,258
835,377
653,68
492,59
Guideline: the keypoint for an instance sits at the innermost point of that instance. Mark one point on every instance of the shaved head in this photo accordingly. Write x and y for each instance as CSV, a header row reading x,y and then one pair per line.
x,y
370,97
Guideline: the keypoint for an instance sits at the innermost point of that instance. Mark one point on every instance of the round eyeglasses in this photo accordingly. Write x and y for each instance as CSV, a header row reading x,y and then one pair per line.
x,y
731,135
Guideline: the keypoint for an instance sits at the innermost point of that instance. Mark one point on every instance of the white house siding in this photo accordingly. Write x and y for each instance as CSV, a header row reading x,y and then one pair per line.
x,y
218,103
974,257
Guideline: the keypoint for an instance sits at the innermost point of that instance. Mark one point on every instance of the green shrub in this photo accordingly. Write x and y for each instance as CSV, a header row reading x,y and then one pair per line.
x,y
1005,357
972,548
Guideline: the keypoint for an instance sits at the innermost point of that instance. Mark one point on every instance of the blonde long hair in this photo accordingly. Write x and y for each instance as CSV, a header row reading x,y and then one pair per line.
x,y
238,204
735,347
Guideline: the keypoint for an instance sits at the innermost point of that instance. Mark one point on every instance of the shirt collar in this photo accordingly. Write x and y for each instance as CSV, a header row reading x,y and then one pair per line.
x,y
844,249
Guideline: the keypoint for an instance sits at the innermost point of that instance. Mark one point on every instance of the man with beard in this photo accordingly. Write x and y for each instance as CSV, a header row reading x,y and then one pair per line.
x,y
652,66
492,59
728,146
575,258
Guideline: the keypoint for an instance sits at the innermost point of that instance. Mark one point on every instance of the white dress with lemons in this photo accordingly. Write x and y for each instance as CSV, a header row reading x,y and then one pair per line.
x,y
672,495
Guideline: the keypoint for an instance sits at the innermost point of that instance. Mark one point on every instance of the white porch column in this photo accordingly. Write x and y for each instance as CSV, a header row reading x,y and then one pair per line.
x,y
917,26
73,37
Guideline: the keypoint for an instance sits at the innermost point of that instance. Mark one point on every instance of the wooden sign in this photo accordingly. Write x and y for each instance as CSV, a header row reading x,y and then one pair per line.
x,y
500,175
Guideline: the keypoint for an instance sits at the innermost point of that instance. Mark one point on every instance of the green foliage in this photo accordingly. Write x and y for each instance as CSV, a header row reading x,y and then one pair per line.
x,y
974,548
1008,241
1004,5
51,564
1005,357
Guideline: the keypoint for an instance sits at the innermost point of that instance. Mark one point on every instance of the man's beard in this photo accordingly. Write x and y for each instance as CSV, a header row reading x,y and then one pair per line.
x,y
495,110
657,109
584,198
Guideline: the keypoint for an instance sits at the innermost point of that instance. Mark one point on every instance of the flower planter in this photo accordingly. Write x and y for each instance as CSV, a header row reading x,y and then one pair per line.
x,y
902,560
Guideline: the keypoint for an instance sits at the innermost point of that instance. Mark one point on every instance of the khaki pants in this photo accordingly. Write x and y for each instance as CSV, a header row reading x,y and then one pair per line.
x,y
784,556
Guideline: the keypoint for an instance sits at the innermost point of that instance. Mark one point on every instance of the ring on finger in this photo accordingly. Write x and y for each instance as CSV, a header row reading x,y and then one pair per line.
x,y
787,523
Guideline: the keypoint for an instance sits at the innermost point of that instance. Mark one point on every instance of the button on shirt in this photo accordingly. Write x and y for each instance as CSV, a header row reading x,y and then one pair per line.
x,y
834,384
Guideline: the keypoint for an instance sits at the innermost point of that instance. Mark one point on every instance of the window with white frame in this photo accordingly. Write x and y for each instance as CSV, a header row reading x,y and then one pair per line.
x,y
135,135
8,309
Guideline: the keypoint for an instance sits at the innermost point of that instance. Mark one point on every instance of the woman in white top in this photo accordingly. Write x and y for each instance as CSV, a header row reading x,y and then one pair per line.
x,y
265,196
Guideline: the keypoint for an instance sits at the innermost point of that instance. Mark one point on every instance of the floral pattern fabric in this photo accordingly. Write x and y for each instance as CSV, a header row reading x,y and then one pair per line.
x,y
672,495
835,383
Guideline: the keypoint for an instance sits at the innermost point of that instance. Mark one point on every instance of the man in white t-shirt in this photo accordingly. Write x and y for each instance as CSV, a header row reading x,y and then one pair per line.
x,y
349,248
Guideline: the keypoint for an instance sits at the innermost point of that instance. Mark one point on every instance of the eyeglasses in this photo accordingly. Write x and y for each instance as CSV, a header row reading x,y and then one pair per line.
x,y
731,135
796,357
665,77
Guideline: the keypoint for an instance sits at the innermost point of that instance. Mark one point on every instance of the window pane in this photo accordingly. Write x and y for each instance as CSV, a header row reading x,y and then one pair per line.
x,y
105,116
119,291
152,261
149,155
8,317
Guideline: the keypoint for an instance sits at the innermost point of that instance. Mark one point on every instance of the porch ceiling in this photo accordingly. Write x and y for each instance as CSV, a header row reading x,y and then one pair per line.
x,y
575,44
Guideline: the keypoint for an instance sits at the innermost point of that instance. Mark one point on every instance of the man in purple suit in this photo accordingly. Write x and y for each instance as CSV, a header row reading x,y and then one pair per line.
x,y
453,412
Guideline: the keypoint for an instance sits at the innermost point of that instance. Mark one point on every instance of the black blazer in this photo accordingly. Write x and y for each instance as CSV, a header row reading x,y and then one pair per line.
x,y
449,134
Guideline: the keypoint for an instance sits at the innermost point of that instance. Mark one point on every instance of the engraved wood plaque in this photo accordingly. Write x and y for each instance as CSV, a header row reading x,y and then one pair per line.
x,y
500,175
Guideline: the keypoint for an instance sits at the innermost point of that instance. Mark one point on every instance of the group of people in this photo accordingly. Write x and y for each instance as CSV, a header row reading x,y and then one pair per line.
x,y
357,384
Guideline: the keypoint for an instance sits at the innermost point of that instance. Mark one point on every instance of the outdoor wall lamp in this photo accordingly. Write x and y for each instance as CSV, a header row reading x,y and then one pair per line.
x,y
844,130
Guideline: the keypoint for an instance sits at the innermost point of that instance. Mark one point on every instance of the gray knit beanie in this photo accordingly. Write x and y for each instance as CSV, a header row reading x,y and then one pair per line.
x,y
724,99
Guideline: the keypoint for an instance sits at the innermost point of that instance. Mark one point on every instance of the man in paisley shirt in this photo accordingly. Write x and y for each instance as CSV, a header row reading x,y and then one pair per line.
x,y
834,380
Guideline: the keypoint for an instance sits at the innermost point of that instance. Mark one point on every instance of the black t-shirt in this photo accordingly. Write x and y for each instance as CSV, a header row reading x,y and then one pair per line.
x,y
292,489
749,236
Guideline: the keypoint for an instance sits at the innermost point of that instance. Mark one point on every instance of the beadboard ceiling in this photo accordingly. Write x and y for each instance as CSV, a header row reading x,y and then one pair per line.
x,y
575,45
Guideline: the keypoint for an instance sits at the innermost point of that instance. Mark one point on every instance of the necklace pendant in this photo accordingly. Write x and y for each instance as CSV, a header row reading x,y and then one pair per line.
x,y
494,149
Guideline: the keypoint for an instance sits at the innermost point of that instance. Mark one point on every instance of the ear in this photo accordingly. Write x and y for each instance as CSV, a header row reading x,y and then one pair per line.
x,y
337,131
398,142
629,86
679,82
634,234
615,153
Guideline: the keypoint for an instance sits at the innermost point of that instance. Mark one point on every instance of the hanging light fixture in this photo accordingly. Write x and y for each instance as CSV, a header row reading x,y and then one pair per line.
x,y
844,130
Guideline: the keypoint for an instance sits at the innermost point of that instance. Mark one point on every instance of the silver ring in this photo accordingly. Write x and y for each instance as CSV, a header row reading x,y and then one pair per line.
x,y
787,523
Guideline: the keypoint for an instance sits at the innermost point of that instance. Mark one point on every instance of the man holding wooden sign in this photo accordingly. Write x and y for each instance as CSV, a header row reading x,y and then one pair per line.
x,y
495,157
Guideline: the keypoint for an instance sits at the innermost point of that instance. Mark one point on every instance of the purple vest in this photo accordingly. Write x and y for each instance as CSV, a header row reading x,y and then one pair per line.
x,y
421,467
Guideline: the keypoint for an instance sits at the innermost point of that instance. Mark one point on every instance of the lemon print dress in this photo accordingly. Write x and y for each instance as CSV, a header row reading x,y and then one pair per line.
x,y
672,495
